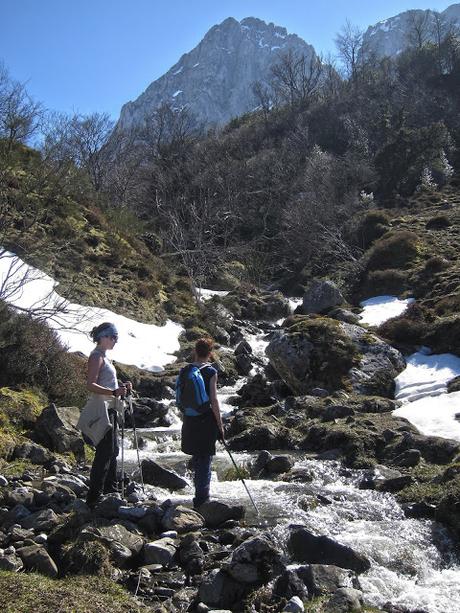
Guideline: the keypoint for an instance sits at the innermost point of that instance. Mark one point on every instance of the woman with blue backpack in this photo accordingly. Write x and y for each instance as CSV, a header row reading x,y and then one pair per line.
x,y
196,397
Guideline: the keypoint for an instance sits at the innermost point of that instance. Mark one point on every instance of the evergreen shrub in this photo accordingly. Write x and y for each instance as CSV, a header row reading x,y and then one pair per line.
x,y
407,329
389,281
436,264
31,355
439,222
372,226
394,250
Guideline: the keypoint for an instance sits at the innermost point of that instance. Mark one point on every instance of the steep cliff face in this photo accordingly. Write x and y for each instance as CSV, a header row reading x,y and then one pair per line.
x,y
392,36
215,79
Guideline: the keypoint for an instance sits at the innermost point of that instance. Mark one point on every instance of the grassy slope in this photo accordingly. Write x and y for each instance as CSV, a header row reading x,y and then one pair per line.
x,y
23,593
435,220
100,258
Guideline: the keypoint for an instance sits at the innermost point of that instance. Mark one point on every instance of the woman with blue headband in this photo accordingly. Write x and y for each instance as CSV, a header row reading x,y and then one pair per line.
x,y
98,420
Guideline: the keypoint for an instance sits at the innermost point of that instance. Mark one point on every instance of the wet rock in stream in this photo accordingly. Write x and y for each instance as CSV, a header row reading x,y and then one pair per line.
x,y
154,474
307,547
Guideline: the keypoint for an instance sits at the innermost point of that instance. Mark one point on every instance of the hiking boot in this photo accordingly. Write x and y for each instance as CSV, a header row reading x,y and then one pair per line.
x,y
197,503
92,501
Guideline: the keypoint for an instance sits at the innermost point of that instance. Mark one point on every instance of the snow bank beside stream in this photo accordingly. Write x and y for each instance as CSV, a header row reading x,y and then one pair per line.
x,y
144,345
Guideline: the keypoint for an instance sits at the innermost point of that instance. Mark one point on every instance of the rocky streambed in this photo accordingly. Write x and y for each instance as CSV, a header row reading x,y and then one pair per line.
x,y
357,508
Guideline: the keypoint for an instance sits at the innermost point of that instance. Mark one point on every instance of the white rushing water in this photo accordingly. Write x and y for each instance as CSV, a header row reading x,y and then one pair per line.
x,y
413,563
144,345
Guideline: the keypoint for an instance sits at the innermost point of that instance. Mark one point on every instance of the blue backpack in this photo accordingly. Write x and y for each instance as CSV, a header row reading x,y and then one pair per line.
x,y
191,396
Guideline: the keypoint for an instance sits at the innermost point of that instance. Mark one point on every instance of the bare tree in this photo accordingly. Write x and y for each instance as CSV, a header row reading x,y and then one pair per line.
x,y
78,140
88,135
331,80
191,235
296,78
20,115
263,96
351,51
418,33
126,180
442,31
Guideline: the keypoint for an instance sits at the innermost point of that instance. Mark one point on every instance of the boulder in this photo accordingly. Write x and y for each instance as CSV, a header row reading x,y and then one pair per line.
x,y
254,562
258,466
243,364
35,557
408,458
290,584
322,352
216,513
376,476
154,474
148,413
151,522
321,296
436,449
279,464
336,411
379,365
191,555
53,492
33,452
123,543
56,429
69,481
108,507
41,521
11,562
324,579
132,513
265,305
257,392
218,589
243,348
344,315
161,552
294,605
181,519
396,484
344,600
307,547
16,533
258,437
23,496
419,510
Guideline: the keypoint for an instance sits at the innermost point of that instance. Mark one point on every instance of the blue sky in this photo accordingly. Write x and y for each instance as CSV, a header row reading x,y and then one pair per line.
x,y
95,55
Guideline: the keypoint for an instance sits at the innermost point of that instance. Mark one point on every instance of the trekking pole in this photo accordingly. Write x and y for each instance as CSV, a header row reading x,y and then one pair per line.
x,y
240,476
131,412
123,450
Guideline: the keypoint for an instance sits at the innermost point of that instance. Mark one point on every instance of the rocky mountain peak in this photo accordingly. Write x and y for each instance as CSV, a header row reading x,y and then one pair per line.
x,y
214,80
393,35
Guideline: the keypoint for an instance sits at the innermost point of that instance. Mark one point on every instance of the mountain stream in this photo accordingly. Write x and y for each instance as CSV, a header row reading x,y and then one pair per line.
x,y
413,561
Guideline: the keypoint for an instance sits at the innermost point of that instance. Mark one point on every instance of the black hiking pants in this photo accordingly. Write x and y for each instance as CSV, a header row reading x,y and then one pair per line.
x,y
103,476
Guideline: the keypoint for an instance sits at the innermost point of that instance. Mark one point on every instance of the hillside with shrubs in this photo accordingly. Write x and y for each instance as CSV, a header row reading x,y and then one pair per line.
x,y
350,174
